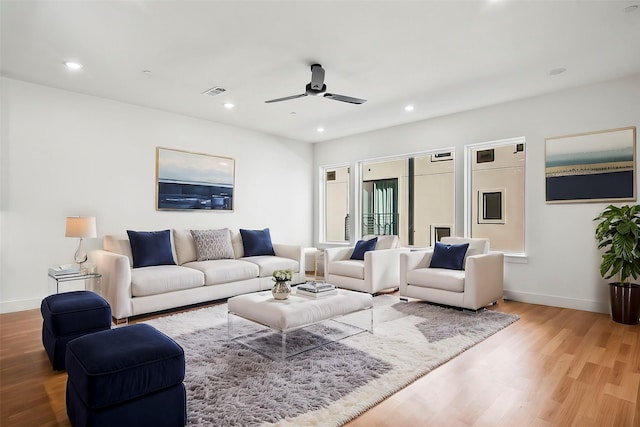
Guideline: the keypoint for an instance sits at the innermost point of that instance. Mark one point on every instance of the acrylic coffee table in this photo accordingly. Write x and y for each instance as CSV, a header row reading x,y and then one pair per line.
x,y
296,312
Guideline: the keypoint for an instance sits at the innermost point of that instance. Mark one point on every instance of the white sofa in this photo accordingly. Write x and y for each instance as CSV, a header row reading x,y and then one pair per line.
x,y
135,291
480,283
378,271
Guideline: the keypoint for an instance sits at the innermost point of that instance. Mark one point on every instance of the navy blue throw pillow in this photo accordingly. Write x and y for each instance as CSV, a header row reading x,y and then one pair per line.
x,y
449,256
363,246
151,248
257,242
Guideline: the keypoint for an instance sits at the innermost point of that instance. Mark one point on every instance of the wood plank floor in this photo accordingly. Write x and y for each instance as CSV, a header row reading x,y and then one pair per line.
x,y
553,367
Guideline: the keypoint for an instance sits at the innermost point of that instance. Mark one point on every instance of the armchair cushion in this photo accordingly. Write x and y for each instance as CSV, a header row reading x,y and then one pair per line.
x,y
348,268
256,242
437,278
363,246
449,256
387,241
151,248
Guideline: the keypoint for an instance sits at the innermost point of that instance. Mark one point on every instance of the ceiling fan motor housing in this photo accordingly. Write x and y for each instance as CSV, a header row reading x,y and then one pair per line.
x,y
312,91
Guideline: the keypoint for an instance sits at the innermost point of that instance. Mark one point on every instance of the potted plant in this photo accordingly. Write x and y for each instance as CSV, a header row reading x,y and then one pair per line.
x,y
282,289
618,232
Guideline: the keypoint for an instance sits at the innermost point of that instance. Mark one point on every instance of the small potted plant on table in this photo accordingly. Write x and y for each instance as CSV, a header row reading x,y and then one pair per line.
x,y
618,232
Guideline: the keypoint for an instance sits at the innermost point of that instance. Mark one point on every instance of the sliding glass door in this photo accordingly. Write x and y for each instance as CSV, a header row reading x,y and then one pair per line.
x,y
380,207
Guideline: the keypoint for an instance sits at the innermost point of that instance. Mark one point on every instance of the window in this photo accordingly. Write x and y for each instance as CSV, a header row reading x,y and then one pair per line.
x,y
491,208
410,196
336,204
380,207
494,188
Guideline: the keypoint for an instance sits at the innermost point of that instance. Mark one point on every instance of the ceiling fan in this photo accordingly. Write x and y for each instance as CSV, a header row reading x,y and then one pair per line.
x,y
317,87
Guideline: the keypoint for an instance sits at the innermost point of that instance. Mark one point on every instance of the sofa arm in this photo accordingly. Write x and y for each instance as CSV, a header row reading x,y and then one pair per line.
x,y
382,268
294,252
336,254
412,261
484,276
115,285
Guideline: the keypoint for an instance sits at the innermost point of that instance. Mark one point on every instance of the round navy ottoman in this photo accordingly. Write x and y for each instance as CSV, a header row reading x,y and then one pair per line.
x,y
129,376
71,315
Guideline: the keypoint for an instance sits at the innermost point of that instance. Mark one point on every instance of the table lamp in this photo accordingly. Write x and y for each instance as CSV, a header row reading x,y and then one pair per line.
x,y
81,227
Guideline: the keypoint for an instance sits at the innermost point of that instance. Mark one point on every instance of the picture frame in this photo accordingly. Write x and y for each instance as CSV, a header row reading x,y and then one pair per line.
x,y
187,180
591,167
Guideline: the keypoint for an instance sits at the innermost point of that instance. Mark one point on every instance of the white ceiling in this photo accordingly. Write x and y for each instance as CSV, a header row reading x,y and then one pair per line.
x,y
440,56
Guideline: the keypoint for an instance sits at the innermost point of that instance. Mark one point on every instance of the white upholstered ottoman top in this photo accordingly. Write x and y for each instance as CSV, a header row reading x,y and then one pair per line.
x,y
297,311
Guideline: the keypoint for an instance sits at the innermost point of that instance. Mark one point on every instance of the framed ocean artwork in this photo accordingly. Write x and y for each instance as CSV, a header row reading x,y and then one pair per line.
x,y
591,167
193,181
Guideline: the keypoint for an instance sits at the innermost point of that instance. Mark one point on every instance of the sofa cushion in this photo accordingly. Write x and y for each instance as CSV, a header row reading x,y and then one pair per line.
x,y
349,268
363,246
213,244
236,242
118,245
437,278
448,256
224,270
257,242
151,248
185,246
163,278
268,264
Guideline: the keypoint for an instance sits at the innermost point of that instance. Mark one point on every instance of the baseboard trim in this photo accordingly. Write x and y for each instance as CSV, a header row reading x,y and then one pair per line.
x,y
531,298
557,301
19,305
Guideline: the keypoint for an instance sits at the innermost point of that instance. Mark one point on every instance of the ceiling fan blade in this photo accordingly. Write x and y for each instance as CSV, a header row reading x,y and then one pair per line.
x,y
344,98
286,98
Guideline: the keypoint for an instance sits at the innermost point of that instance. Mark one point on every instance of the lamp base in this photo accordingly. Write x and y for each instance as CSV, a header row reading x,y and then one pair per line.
x,y
80,256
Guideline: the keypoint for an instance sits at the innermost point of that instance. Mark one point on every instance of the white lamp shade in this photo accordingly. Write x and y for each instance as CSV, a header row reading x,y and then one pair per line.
x,y
81,226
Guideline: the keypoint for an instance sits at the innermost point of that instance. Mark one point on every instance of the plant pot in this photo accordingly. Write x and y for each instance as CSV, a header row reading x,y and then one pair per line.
x,y
281,290
625,303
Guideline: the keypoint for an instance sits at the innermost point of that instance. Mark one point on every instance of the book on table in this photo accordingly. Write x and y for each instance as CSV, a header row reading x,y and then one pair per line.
x,y
64,270
320,294
315,287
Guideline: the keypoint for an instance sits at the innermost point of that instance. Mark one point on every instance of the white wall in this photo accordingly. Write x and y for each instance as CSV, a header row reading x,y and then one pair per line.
x,y
65,154
562,264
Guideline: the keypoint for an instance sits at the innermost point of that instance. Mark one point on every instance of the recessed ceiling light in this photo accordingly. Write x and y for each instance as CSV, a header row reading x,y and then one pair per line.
x,y
320,129
228,105
556,71
73,65
408,108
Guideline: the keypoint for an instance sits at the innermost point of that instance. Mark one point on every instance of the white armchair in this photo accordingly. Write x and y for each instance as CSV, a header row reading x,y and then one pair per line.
x,y
379,270
480,283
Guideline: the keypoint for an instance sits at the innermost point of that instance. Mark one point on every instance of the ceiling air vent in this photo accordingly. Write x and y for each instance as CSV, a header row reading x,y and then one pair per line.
x,y
217,90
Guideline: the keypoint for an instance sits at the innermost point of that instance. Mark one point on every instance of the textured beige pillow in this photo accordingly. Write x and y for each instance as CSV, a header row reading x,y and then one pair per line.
x,y
213,244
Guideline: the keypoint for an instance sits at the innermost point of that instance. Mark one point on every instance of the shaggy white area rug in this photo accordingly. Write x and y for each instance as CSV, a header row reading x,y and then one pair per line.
x,y
229,384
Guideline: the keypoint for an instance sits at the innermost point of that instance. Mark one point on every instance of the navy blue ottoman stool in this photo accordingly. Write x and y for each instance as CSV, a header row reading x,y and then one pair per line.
x,y
70,315
130,376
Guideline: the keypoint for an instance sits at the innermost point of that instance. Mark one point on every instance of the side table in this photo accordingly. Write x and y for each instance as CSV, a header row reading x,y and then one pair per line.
x,y
93,278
